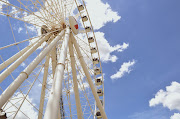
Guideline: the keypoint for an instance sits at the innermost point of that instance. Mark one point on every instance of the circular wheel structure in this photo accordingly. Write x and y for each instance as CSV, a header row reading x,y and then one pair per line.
x,y
53,68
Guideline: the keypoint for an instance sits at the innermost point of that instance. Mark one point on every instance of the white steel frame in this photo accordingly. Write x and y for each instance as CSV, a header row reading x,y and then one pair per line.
x,y
58,63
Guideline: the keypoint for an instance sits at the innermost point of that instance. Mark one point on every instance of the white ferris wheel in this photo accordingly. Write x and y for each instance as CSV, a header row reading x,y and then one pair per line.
x,y
61,58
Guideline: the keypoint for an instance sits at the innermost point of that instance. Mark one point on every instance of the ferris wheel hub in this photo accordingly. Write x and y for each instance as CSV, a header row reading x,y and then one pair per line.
x,y
54,29
44,29
74,25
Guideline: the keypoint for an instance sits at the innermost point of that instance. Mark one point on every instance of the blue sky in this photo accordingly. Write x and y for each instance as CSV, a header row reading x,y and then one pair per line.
x,y
152,30
151,27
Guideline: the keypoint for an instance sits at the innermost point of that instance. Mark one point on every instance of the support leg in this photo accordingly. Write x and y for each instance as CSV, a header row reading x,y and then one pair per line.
x,y
40,115
23,57
15,57
54,60
24,75
76,90
84,66
52,107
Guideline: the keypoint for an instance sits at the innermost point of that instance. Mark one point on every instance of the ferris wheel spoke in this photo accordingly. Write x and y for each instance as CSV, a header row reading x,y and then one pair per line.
x,y
18,11
69,6
18,43
23,16
13,105
12,32
54,8
83,89
14,57
23,95
27,93
51,9
87,57
7,4
47,11
42,19
59,7
38,10
84,92
63,9
14,35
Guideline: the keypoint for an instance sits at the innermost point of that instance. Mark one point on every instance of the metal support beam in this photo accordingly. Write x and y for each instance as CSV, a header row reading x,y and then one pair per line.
x,y
46,67
52,108
85,69
54,60
76,90
27,71
15,57
13,66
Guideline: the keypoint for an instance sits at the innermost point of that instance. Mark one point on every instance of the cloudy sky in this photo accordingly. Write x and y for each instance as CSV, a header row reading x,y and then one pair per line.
x,y
143,82
139,47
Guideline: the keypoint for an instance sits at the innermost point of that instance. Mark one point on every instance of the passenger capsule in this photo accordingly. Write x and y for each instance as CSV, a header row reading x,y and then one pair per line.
x,y
93,50
98,81
97,71
90,39
98,114
80,7
100,92
84,18
88,29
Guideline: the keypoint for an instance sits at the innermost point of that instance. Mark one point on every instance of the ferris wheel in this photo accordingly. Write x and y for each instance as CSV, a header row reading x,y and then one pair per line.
x,y
57,64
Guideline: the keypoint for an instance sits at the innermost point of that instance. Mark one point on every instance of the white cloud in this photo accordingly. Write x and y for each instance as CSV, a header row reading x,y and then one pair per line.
x,y
155,113
23,64
113,58
125,68
175,116
169,98
82,86
20,29
31,28
104,14
26,107
2,3
106,49
101,13
123,47
14,12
